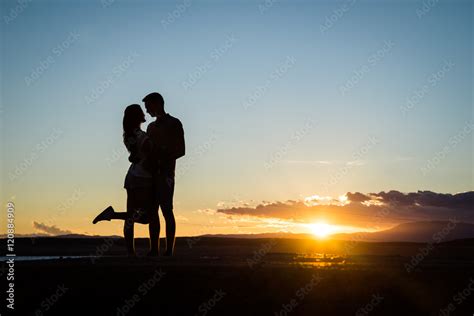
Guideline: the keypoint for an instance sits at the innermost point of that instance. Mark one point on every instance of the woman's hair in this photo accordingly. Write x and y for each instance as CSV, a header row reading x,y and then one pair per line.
x,y
132,118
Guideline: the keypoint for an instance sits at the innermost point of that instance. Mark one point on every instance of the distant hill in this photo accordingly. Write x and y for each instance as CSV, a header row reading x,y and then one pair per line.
x,y
411,232
426,231
26,235
86,236
416,232
41,235
263,235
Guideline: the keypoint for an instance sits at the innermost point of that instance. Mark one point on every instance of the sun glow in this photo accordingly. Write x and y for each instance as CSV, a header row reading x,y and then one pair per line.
x,y
321,229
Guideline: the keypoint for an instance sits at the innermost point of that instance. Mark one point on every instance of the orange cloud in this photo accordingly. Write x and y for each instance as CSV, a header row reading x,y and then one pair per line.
x,y
358,209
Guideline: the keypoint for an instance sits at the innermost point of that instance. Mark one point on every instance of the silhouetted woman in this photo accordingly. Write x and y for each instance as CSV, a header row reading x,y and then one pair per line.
x,y
138,181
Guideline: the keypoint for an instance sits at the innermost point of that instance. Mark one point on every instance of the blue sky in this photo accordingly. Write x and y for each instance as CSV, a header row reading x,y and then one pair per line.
x,y
261,76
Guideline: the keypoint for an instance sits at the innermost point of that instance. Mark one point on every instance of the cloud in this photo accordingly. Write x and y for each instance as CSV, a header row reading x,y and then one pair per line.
x,y
403,158
181,218
421,198
206,211
353,163
310,162
359,209
51,230
357,197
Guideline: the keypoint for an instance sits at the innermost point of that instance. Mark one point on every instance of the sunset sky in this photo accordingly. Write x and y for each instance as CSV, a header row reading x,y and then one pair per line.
x,y
287,106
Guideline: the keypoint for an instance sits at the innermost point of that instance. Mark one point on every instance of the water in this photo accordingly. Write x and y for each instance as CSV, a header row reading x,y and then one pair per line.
x,y
36,258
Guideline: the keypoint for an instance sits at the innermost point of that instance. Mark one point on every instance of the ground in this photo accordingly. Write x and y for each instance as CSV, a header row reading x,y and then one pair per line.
x,y
219,276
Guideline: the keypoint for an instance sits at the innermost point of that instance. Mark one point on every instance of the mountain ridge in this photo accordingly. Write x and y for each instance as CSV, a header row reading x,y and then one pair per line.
x,y
420,231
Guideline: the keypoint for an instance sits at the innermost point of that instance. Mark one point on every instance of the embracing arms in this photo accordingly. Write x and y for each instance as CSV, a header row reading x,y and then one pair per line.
x,y
166,142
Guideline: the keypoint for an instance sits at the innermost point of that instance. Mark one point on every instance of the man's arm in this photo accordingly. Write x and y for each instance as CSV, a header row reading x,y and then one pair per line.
x,y
150,162
175,147
180,149
153,151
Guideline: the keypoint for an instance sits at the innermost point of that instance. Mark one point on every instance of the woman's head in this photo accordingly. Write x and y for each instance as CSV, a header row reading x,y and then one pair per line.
x,y
133,117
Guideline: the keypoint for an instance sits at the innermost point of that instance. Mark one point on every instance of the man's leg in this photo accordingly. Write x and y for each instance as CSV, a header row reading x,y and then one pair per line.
x,y
128,235
154,226
166,202
170,230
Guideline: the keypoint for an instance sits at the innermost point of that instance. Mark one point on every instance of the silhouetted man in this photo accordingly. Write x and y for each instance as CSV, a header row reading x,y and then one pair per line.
x,y
167,135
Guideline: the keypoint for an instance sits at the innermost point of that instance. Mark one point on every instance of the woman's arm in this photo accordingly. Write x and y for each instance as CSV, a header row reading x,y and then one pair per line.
x,y
149,150
132,147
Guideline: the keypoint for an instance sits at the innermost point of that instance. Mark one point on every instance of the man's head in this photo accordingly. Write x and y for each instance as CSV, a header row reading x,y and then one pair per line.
x,y
154,104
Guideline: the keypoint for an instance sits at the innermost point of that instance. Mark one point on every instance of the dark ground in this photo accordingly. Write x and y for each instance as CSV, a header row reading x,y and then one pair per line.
x,y
212,276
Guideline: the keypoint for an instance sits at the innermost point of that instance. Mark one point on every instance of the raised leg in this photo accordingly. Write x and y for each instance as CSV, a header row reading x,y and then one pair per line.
x,y
109,214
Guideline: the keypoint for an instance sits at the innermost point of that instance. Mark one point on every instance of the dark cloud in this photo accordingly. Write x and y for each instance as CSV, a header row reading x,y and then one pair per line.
x,y
357,197
427,198
366,209
51,230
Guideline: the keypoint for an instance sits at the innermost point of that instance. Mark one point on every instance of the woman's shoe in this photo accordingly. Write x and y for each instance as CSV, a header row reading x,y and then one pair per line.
x,y
106,215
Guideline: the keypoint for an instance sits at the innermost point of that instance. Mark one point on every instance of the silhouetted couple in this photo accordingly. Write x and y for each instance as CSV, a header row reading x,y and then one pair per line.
x,y
150,179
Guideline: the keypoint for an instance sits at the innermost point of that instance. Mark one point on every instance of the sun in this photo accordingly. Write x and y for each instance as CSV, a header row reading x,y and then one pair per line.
x,y
321,229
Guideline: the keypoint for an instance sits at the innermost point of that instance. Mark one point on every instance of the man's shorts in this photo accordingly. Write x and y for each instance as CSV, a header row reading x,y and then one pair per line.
x,y
164,191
